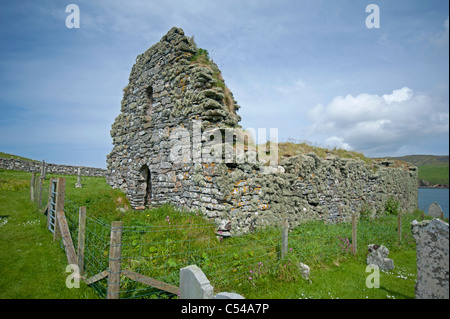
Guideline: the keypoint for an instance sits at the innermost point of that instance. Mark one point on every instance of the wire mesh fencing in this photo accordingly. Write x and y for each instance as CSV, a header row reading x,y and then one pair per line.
x,y
151,255
160,252
96,235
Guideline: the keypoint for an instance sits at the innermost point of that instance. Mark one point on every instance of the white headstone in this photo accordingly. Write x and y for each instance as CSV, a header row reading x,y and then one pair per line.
x,y
194,284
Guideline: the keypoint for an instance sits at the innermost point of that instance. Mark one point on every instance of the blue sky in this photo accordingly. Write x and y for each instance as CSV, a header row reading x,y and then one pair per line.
x,y
310,68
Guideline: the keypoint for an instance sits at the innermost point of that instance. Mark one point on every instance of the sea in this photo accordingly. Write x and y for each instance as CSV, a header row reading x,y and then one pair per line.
x,y
430,195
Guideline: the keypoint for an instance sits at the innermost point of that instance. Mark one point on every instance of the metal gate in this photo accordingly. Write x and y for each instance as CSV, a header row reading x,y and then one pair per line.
x,y
52,210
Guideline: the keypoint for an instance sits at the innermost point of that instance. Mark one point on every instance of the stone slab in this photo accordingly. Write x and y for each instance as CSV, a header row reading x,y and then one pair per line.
x,y
432,245
194,284
434,210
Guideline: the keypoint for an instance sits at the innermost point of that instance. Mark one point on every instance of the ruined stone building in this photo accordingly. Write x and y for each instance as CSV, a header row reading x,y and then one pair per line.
x,y
175,101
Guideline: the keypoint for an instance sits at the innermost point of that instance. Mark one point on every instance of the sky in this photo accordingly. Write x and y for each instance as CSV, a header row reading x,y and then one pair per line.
x,y
313,69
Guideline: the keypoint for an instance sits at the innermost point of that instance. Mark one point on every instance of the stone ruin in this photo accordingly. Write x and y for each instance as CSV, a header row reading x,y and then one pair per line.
x,y
177,104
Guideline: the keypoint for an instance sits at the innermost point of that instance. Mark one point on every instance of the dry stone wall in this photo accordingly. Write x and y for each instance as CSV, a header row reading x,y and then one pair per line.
x,y
34,166
331,189
174,103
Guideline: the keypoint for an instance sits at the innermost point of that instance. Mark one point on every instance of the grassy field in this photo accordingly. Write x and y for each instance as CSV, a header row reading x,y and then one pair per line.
x,y
433,169
434,174
33,266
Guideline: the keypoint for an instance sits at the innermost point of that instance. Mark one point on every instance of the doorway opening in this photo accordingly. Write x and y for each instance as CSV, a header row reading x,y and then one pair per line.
x,y
145,184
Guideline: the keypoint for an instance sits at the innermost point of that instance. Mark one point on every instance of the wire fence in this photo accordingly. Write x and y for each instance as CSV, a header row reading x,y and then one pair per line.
x,y
96,246
160,250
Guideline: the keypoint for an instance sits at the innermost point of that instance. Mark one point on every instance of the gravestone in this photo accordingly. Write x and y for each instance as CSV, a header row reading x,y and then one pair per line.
x,y
304,270
78,184
432,258
378,256
434,210
194,284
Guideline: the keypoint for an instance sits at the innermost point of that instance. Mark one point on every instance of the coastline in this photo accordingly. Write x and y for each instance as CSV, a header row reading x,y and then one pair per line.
x,y
438,186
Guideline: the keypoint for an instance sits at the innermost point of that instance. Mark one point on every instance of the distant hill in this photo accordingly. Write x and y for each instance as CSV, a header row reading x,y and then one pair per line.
x,y
420,160
6,155
433,170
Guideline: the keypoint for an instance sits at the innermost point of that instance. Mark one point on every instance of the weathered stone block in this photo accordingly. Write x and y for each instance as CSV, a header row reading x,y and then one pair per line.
x,y
432,245
434,210
378,256
304,270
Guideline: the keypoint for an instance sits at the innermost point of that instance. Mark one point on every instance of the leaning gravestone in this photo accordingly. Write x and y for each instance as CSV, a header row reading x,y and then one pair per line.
x,y
432,258
435,210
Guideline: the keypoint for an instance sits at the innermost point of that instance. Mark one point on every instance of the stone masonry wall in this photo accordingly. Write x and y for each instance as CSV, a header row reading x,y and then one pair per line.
x,y
165,92
171,101
329,189
34,166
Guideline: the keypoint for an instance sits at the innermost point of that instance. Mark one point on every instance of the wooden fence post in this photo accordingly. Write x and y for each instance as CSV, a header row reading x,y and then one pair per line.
x,y
41,186
354,235
399,226
60,194
284,237
33,178
115,251
81,237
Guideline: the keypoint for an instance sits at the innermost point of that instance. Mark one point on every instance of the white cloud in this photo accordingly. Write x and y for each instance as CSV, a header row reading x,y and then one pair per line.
x,y
379,124
401,95
337,142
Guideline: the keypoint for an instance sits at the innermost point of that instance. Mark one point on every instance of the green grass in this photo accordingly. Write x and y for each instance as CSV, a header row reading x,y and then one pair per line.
x,y
434,174
433,169
158,242
335,272
338,280
31,264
